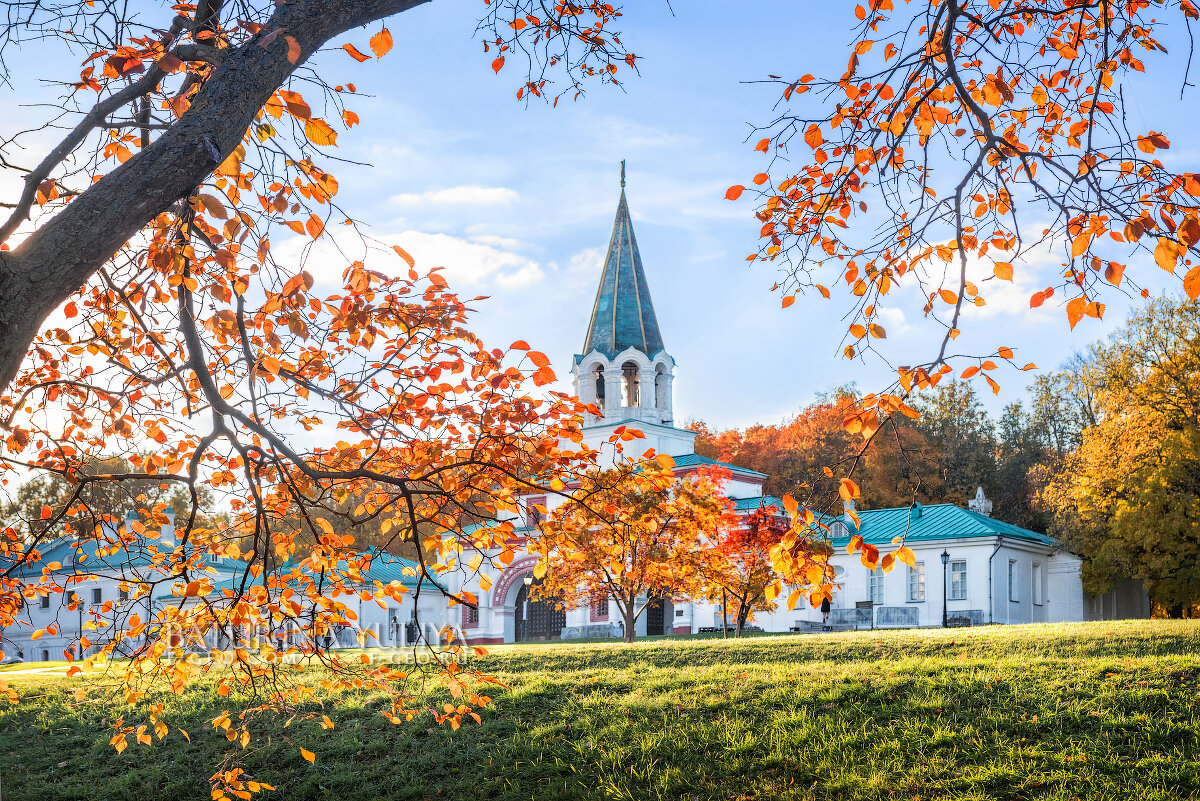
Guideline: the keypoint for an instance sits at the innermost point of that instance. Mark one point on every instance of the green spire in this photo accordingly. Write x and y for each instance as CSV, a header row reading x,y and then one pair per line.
x,y
623,316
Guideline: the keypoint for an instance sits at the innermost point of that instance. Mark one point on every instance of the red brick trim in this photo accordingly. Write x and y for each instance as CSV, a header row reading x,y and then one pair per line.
x,y
484,640
682,630
514,572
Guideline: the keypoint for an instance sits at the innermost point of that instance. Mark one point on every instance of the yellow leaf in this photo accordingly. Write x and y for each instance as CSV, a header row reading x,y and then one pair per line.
x,y
319,132
309,755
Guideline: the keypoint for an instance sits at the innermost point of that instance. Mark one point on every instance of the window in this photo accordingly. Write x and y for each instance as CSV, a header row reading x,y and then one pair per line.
x,y
533,515
1037,583
600,608
45,656
97,595
875,586
679,612
471,615
916,583
44,603
958,580
1012,580
123,595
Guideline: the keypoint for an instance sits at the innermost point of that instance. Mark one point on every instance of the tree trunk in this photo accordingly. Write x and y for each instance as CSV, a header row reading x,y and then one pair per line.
x,y
743,613
59,257
630,620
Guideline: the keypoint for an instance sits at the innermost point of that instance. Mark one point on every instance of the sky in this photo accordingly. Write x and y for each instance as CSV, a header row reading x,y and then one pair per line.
x,y
517,200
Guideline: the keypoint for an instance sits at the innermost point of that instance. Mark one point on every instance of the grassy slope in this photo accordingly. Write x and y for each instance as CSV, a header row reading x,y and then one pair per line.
x,y
1076,711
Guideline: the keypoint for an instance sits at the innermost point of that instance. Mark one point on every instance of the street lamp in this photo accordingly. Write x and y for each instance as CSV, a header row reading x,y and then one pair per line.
x,y
945,561
528,581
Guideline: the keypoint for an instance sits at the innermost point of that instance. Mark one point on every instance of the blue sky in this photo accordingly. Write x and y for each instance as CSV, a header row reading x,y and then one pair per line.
x,y
517,201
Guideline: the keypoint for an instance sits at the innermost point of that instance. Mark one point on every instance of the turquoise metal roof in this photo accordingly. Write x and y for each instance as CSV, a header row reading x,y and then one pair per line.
x,y
623,316
696,460
748,505
942,521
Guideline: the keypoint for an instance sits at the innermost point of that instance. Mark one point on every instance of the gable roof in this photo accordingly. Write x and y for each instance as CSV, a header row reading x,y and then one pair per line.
x,y
696,460
941,521
622,315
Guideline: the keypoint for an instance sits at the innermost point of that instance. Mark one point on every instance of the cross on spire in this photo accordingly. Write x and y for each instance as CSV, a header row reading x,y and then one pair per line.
x,y
622,173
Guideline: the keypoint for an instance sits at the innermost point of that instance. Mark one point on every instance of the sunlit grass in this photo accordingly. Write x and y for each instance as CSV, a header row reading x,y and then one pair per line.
x,y
1084,711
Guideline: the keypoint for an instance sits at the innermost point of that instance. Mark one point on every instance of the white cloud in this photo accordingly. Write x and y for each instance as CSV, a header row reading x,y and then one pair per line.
x,y
586,262
468,265
459,196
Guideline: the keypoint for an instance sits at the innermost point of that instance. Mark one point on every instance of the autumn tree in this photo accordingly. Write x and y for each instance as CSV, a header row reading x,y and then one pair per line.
x,y
634,532
737,571
804,454
963,141
1127,499
165,98
187,143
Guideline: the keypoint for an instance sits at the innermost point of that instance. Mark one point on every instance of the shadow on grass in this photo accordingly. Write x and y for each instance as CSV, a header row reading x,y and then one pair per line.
x,y
1083,713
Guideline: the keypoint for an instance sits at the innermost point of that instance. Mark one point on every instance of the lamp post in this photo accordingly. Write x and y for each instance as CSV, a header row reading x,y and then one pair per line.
x,y
523,618
945,561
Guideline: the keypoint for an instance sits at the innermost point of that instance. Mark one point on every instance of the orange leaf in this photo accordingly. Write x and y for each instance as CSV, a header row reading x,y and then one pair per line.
x,y
948,296
813,137
309,755
848,490
355,53
70,310
1166,253
734,192
46,512
1191,283
1005,353
314,226
1003,270
788,301
405,255
381,43
498,64
293,49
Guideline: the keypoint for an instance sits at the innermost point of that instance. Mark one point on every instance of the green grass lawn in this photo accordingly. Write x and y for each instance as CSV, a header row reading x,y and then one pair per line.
x,y
1082,711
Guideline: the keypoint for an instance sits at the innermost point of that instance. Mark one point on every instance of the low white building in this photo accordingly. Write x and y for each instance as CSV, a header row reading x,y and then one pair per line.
x,y
106,587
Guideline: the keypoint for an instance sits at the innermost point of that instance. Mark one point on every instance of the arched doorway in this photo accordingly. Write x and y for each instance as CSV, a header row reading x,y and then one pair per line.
x,y
537,619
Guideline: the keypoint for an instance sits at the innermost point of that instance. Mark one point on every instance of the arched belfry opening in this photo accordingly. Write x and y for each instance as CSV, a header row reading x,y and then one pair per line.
x,y
631,384
598,379
660,387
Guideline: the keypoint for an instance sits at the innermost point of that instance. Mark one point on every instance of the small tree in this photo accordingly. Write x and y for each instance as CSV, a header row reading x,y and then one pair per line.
x,y
737,568
632,532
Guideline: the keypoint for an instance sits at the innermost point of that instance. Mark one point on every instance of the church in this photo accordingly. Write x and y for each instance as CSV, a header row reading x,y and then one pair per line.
x,y
991,572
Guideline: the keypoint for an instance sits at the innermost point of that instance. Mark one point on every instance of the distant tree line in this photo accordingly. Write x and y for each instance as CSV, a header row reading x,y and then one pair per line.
x,y
1104,454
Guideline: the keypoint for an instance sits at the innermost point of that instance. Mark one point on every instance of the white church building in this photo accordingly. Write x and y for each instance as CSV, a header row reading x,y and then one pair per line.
x,y
988,571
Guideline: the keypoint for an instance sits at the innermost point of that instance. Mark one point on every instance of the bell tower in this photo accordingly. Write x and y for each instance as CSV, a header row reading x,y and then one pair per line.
x,y
624,369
